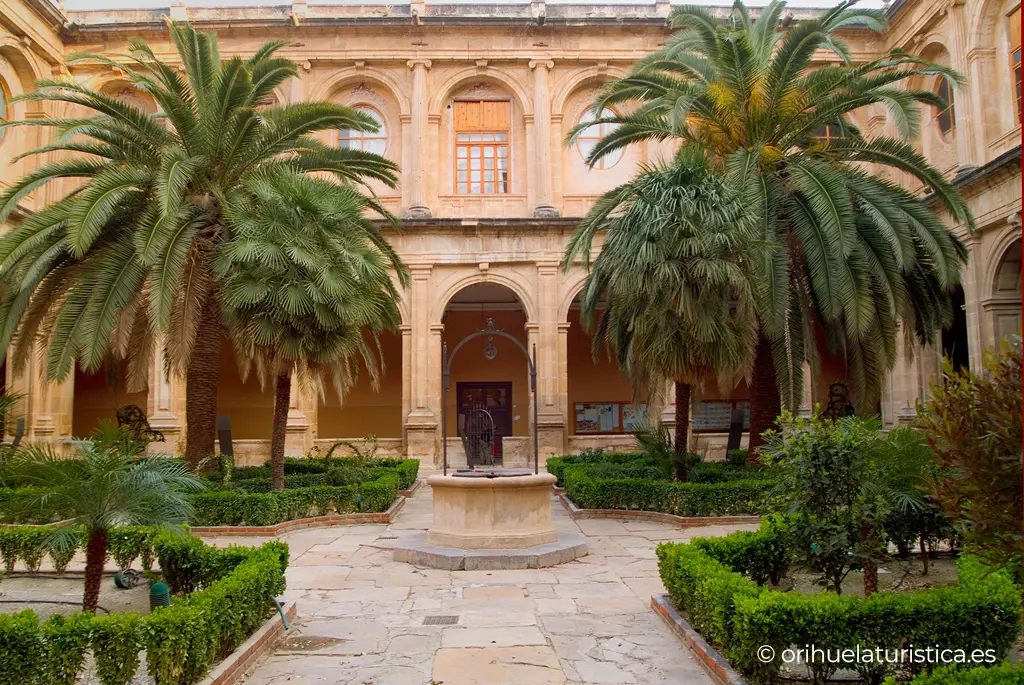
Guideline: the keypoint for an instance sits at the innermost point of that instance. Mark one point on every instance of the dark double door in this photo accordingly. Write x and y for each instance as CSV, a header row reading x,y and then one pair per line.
x,y
495,399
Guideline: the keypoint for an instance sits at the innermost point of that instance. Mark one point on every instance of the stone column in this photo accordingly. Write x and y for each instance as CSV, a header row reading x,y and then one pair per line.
x,y
973,294
421,427
967,104
551,340
417,141
542,136
161,409
300,428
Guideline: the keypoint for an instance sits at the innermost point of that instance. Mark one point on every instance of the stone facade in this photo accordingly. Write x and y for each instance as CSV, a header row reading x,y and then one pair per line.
x,y
478,256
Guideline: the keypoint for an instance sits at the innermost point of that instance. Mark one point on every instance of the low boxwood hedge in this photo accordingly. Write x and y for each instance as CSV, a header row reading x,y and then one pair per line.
x,y
1001,674
312,472
708,581
589,490
238,507
182,641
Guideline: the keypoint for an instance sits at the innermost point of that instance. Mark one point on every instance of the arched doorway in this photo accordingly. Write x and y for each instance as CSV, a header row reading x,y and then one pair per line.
x,y
954,338
490,375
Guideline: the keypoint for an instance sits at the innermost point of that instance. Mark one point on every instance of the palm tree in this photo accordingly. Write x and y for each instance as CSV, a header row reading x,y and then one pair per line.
x,y
102,487
306,288
669,290
127,252
854,256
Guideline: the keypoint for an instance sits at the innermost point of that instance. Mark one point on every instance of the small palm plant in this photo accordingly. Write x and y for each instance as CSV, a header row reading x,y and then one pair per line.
x,y
102,487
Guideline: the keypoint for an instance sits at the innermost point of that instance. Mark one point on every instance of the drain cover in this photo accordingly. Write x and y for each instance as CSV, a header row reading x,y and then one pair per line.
x,y
440,620
387,536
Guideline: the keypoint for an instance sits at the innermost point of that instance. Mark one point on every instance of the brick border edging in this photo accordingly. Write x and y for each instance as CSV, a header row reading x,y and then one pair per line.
x,y
575,513
301,524
411,491
233,668
707,656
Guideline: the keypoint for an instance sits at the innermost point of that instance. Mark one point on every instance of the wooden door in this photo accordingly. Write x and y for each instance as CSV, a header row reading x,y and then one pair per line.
x,y
496,399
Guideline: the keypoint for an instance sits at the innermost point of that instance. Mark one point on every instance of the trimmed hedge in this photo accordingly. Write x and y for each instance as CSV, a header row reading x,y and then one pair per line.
x,y
726,498
1002,674
182,641
705,579
237,507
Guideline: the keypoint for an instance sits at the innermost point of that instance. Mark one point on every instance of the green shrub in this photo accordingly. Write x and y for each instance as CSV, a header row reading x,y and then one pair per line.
x,y
181,641
1001,674
62,552
127,543
736,457
116,640
10,547
731,498
183,561
22,650
33,546
347,475
67,640
763,556
704,580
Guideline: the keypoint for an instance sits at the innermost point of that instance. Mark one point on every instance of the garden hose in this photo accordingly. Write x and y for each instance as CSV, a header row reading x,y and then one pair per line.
x,y
280,610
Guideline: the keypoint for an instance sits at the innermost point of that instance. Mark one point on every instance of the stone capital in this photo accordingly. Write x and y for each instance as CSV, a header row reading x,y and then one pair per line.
x,y
546,63
413,63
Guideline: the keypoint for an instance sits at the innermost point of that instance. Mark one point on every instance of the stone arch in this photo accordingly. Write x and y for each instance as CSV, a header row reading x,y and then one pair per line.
x,y
1005,279
988,47
518,287
574,286
494,75
938,147
330,86
568,85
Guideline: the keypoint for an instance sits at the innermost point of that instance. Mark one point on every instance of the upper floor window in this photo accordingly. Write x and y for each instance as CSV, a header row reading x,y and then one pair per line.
x,y
482,132
366,141
946,116
826,133
1015,58
589,137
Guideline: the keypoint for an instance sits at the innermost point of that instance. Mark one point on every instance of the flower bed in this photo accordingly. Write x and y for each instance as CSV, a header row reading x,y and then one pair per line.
x,y
716,583
634,482
227,594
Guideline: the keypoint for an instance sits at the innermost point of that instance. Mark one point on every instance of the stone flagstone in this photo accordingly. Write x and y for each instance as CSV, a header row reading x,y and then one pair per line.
x,y
587,622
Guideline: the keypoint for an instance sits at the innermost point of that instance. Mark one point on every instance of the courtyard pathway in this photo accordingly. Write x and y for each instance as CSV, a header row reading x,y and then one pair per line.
x,y
364,618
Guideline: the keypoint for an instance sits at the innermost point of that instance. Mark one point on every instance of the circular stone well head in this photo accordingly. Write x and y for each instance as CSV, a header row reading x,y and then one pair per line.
x,y
491,473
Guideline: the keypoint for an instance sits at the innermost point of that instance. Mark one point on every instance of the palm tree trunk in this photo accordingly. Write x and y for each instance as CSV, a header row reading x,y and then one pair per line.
x,y
201,387
870,569
95,560
765,403
682,430
282,399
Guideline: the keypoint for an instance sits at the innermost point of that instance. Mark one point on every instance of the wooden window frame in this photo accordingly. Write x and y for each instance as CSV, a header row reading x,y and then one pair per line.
x,y
949,135
497,145
363,136
602,163
832,132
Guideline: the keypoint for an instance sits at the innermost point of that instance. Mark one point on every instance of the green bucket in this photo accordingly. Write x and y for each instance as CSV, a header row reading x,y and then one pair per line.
x,y
159,596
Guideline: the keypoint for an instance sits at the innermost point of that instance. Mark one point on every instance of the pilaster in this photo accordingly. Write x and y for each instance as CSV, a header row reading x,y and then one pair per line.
x,y
417,140
542,137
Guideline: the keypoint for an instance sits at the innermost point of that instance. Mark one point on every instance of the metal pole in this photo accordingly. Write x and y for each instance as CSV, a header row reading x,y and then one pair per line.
x,y
536,440
444,406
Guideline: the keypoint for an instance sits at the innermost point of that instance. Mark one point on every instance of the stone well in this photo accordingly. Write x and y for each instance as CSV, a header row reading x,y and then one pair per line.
x,y
513,512
488,520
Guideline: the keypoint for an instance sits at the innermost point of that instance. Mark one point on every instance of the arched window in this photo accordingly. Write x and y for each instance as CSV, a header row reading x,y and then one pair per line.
x,y
828,132
1015,59
946,117
587,140
365,140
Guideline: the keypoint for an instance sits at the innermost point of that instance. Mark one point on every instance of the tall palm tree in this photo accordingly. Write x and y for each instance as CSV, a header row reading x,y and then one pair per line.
x,y
306,288
668,293
855,256
103,486
126,253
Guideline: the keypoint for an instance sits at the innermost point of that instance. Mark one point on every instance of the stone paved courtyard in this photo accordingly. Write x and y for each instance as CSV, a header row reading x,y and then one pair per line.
x,y
362,615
